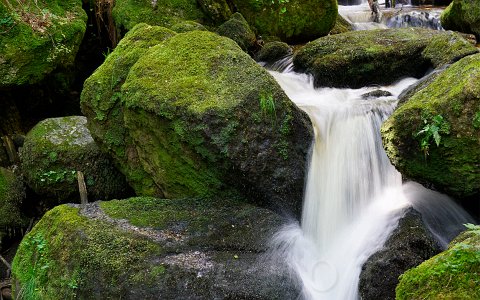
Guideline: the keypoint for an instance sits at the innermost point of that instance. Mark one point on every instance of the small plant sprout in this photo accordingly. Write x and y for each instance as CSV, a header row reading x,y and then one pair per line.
x,y
433,128
267,104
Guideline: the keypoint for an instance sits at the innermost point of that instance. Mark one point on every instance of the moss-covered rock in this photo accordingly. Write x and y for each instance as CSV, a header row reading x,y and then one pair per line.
x,y
462,15
448,104
238,30
382,56
452,274
12,194
101,103
293,21
273,51
145,248
409,245
197,116
37,37
341,25
165,13
217,10
53,152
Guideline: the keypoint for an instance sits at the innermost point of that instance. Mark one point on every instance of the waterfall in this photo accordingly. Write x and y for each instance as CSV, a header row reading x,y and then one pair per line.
x,y
354,197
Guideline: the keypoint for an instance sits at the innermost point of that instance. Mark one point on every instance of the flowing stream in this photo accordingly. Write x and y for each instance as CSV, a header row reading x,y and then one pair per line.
x,y
354,197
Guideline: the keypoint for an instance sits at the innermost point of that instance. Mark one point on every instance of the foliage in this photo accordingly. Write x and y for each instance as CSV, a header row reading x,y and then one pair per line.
x,y
434,126
267,104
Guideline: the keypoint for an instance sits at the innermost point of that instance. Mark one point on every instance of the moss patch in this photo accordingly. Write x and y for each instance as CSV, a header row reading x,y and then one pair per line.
x,y
166,13
452,274
12,194
293,21
37,37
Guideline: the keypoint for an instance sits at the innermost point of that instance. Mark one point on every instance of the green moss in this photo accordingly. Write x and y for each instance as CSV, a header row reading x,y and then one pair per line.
x,y
382,56
462,16
452,274
37,38
341,25
128,13
452,166
102,100
68,256
187,26
292,21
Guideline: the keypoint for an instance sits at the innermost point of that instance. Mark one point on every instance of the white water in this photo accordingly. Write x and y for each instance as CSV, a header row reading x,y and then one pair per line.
x,y
354,197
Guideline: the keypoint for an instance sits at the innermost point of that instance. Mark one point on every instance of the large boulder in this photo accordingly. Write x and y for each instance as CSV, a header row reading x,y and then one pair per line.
x,y
165,13
452,274
38,37
55,149
147,248
434,135
358,58
463,16
293,21
197,116
409,245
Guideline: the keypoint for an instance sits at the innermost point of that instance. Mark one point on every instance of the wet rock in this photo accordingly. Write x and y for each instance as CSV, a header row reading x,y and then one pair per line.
x,y
273,51
408,246
376,94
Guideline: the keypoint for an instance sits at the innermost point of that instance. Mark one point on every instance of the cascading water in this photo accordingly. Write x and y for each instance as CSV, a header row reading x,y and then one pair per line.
x,y
354,197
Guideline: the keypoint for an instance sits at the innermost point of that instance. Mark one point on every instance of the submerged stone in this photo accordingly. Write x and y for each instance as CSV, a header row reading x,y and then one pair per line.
x,y
434,136
359,58
197,116
53,152
36,38
146,248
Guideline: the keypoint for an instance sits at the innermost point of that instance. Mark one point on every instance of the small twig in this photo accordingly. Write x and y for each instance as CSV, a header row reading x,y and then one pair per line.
x,y
82,187
5,262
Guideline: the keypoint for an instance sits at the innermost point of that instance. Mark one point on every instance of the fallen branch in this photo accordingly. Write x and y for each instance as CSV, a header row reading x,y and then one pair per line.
x,y
5,262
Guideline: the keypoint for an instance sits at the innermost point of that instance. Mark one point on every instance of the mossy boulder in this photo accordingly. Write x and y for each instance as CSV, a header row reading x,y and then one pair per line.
x,y
165,13
463,16
358,58
12,195
37,38
273,51
443,111
101,103
197,116
217,10
408,246
146,248
55,149
294,21
452,274
238,30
